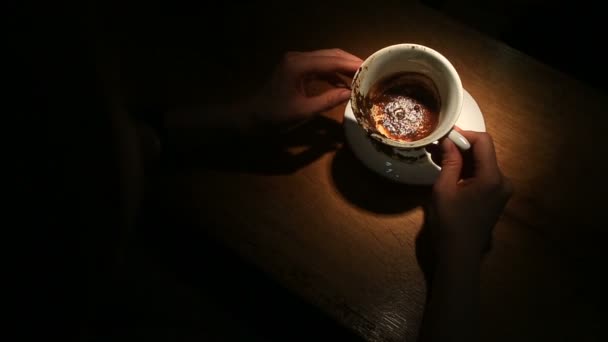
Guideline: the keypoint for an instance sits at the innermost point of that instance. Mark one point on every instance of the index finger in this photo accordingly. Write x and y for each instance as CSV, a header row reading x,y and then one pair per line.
x,y
325,64
333,52
484,154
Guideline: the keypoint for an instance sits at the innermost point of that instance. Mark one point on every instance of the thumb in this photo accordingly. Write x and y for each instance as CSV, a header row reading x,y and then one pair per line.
x,y
451,164
325,101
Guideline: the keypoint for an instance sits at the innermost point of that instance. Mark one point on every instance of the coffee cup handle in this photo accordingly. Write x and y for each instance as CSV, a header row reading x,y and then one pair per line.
x,y
459,140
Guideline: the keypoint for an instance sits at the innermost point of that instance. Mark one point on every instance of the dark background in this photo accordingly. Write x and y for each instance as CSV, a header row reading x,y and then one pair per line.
x,y
566,35
168,287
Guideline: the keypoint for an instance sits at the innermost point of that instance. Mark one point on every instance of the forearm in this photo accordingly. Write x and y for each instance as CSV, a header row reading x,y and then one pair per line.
x,y
452,313
196,127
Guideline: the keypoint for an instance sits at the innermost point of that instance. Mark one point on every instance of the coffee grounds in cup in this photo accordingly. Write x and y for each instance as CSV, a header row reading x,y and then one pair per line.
x,y
405,106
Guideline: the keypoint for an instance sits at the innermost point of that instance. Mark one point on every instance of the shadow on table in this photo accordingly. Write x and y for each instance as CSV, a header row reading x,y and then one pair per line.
x,y
366,190
178,284
283,153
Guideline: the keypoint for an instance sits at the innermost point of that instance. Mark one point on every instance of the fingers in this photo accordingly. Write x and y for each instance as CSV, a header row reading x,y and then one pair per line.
x,y
485,164
305,64
331,53
451,165
484,155
337,80
325,101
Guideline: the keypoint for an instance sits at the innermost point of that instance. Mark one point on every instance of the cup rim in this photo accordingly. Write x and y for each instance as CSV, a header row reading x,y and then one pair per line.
x,y
437,134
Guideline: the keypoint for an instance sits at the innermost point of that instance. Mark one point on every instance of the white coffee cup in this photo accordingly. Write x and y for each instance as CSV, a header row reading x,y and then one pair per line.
x,y
419,59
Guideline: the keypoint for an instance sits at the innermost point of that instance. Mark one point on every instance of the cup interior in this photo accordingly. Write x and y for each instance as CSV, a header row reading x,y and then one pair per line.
x,y
409,58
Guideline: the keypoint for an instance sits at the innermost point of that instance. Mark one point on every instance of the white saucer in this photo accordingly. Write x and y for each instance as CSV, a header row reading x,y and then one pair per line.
x,y
423,172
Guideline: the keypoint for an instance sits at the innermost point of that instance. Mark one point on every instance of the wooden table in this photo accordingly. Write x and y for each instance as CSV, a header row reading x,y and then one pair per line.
x,y
345,240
